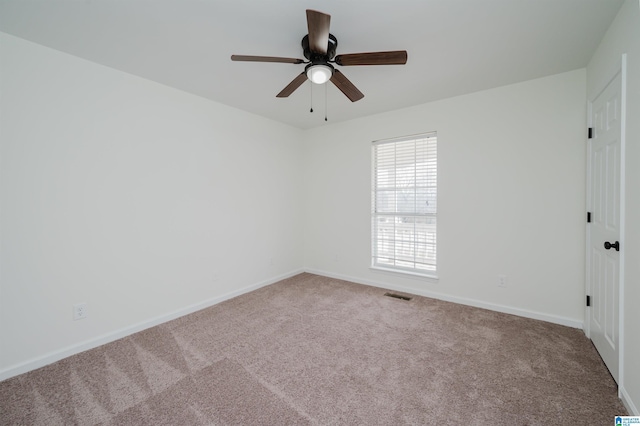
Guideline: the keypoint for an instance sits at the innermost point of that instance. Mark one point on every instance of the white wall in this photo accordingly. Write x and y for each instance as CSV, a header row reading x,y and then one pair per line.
x,y
624,37
138,199
511,166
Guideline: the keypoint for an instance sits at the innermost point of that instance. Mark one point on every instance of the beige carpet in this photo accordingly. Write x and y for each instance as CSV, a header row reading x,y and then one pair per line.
x,y
315,350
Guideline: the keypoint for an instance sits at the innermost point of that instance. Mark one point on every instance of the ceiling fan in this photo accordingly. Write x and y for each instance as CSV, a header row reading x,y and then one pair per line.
x,y
319,47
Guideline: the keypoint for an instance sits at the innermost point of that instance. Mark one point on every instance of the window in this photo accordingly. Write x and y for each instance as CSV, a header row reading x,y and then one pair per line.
x,y
404,195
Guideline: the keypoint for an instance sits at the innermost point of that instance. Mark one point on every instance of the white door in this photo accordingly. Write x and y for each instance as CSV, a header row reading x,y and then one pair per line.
x,y
604,229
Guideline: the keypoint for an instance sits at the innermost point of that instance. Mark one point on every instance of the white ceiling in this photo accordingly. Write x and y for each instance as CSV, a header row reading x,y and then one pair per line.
x,y
454,46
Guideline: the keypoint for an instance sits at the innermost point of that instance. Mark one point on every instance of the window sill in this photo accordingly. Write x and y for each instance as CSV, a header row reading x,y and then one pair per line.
x,y
406,274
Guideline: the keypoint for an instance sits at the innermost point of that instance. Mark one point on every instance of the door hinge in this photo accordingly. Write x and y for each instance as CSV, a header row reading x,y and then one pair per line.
x,y
588,300
590,132
588,217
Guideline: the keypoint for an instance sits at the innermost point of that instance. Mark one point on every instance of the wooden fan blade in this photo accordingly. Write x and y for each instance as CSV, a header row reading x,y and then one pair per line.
x,y
291,87
396,57
346,86
249,58
318,26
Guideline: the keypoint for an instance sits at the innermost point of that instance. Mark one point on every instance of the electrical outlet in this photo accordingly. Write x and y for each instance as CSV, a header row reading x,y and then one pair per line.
x,y
502,280
79,311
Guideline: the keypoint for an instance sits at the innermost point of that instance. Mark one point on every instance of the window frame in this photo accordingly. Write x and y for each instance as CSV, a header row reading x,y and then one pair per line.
x,y
424,234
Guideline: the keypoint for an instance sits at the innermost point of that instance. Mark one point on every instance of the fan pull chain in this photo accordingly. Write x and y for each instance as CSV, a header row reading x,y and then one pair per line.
x,y
325,101
311,90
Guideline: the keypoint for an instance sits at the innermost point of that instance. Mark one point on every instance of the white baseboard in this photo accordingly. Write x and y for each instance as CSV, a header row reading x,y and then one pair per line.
x,y
628,403
54,356
569,322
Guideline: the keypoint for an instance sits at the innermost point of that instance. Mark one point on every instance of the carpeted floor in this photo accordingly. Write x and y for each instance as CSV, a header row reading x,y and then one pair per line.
x,y
315,350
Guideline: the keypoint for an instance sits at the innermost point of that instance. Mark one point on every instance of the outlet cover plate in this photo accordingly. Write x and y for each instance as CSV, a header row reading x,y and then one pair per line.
x,y
79,311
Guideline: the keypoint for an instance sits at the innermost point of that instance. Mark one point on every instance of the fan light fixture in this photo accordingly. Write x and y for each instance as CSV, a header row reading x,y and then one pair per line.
x,y
319,74
319,49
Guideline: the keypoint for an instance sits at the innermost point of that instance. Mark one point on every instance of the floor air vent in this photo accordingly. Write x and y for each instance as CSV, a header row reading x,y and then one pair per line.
x,y
397,296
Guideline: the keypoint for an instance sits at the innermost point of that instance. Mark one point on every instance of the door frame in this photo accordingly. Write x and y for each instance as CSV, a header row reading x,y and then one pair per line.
x,y
619,68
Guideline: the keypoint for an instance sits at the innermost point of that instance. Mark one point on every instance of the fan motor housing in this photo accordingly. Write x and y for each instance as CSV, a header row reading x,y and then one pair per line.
x,y
313,57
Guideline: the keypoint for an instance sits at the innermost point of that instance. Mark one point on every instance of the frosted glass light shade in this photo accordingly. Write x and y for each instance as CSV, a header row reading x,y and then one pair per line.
x,y
319,74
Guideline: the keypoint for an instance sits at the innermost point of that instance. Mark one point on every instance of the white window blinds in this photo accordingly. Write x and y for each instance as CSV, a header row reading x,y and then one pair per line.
x,y
404,204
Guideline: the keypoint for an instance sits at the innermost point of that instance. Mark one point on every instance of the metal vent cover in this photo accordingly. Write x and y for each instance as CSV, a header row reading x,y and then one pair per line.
x,y
398,296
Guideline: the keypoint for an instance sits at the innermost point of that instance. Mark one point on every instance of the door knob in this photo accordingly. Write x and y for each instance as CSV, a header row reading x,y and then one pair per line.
x,y
615,245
